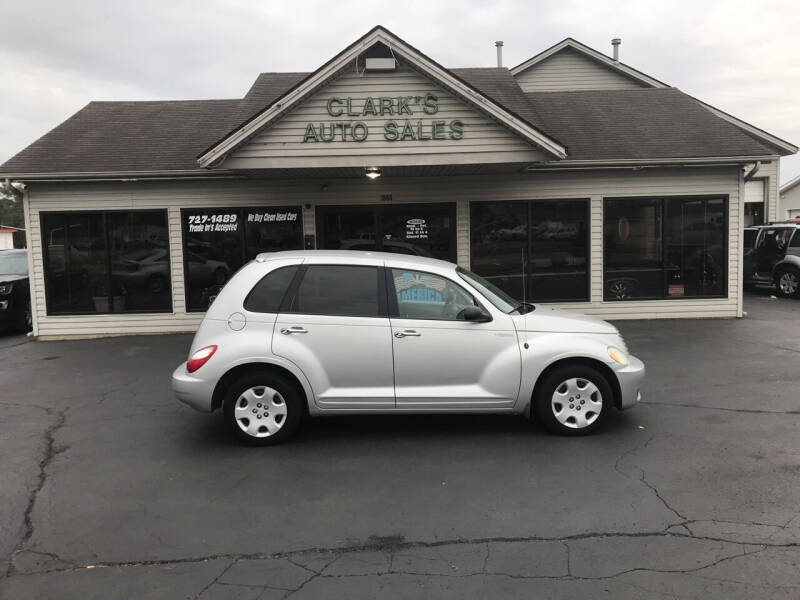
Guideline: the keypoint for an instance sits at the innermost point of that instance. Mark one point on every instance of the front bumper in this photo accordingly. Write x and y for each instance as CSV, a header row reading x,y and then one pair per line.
x,y
630,380
191,390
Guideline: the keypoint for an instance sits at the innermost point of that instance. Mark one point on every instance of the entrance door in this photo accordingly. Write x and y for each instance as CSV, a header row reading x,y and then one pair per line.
x,y
442,361
335,328
417,229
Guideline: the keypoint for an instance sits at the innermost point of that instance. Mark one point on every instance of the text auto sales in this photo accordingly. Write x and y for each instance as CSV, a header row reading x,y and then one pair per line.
x,y
393,130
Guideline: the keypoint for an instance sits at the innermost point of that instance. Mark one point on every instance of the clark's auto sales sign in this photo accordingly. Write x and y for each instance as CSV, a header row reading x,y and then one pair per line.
x,y
406,118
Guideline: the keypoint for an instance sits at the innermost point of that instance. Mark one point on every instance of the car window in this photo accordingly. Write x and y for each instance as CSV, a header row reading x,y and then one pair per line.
x,y
350,291
795,243
426,296
267,294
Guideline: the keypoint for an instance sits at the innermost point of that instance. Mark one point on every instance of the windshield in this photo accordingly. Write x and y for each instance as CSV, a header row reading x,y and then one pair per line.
x,y
492,293
13,264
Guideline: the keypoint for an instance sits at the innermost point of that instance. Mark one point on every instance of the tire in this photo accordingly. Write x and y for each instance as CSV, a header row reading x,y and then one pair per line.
x,y
25,320
273,398
585,386
787,282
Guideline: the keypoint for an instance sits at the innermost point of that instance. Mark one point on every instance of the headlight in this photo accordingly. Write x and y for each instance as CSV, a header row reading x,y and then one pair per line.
x,y
5,288
618,355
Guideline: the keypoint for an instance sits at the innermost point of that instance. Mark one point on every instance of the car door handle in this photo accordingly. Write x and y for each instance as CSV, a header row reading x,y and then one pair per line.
x,y
407,333
293,329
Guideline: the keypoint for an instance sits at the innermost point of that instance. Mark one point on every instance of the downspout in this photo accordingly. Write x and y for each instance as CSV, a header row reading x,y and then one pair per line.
x,y
753,171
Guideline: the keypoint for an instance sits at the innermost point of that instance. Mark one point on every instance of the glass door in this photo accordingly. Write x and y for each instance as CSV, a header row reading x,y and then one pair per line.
x,y
416,229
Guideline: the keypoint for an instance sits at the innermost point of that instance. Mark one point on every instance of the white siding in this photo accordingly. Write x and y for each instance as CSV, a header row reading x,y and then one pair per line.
x,y
770,173
281,144
568,71
790,203
460,190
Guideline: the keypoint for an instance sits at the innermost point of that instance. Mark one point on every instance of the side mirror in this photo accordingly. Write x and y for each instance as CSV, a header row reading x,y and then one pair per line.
x,y
476,314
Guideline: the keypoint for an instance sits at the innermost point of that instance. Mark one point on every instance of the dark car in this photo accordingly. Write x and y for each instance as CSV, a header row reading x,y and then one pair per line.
x,y
15,298
772,257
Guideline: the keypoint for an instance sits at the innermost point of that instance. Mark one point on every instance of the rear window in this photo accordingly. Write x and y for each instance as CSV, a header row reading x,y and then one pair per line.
x,y
268,293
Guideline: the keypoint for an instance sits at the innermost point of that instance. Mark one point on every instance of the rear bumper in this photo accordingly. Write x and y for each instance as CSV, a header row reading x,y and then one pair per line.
x,y
630,380
193,391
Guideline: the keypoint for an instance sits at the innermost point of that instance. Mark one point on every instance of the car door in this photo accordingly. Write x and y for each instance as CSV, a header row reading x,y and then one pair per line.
x,y
442,361
333,325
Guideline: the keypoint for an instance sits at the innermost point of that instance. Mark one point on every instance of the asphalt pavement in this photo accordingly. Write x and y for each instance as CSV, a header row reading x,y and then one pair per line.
x,y
109,488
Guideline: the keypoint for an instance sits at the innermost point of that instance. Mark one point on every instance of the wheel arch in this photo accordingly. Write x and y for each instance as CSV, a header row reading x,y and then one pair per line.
x,y
587,361
230,376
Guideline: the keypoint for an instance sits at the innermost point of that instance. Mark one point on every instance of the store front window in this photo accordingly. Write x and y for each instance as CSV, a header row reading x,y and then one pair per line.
x,y
665,248
218,241
417,229
549,237
106,262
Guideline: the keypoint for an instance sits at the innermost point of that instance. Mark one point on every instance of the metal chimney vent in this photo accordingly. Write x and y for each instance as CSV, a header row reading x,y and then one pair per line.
x,y
499,45
615,44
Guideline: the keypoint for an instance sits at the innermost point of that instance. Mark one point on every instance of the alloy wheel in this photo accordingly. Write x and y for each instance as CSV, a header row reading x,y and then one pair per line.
x,y
576,403
260,411
788,283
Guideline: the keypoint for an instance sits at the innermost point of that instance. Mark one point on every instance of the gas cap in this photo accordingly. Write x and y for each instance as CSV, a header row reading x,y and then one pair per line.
x,y
237,321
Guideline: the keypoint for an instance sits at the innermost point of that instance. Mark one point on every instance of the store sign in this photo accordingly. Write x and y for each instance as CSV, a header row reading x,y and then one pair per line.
x,y
416,229
213,223
229,222
261,216
344,128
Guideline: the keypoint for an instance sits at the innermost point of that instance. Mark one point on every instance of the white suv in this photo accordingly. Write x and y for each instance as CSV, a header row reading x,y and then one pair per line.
x,y
341,332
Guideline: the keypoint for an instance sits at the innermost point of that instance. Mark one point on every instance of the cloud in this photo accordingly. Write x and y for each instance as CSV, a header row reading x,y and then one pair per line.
x,y
57,55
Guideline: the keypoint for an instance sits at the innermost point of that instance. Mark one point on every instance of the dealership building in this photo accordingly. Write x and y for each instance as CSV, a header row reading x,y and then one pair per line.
x,y
571,178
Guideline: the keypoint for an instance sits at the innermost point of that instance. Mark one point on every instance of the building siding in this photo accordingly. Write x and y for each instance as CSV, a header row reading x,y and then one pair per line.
x,y
174,196
790,203
569,71
281,145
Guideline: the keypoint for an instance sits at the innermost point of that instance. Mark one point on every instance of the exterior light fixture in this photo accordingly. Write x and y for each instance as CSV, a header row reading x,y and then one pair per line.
x,y
373,172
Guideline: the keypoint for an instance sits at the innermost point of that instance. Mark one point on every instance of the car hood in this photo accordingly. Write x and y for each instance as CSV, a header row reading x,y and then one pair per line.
x,y
9,278
561,321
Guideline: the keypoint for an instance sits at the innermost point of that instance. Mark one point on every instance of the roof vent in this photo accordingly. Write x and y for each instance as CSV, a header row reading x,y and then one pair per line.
x,y
615,44
499,45
380,64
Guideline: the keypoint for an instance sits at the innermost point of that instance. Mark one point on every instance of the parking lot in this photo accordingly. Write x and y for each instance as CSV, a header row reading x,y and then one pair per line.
x,y
111,489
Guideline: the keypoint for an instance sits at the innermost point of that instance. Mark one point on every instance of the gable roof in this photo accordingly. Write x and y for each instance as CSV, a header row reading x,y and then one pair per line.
x,y
619,67
642,124
792,183
399,48
594,55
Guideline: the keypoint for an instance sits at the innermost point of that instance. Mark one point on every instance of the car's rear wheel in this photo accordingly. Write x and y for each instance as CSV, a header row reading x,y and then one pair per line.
x,y
262,409
787,283
573,400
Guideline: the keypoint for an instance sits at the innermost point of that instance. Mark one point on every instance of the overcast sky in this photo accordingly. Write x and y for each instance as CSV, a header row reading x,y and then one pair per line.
x,y
55,56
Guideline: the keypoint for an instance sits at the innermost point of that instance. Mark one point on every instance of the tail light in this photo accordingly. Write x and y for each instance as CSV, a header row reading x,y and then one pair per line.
x,y
199,358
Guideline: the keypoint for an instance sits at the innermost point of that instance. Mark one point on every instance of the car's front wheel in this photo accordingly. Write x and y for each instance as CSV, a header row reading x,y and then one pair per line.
x,y
262,409
573,400
787,282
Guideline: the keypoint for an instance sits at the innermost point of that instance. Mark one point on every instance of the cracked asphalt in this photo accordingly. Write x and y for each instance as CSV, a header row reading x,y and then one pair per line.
x,y
111,489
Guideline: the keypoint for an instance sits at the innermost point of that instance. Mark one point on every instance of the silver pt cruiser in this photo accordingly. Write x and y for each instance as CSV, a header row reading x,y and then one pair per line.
x,y
334,332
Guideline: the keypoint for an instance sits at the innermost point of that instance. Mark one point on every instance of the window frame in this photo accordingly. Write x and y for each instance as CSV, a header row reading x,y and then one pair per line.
x,y
378,210
394,309
528,275
662,201
294,287
107,249
243,237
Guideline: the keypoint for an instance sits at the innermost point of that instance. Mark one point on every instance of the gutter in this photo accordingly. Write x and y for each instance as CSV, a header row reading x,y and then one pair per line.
x,y
632,163
753,171
124,176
